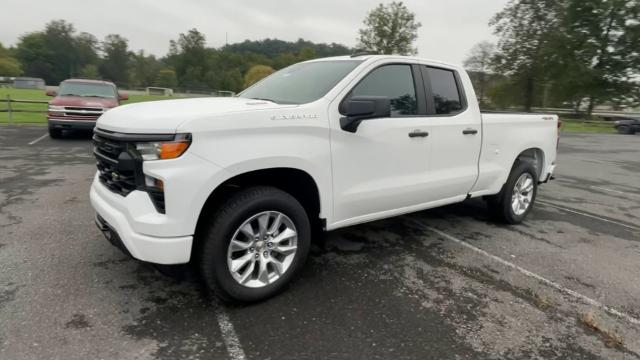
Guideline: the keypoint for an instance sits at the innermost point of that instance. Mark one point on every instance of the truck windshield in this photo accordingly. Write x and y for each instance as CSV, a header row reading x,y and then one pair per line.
x,y
301,83
87,90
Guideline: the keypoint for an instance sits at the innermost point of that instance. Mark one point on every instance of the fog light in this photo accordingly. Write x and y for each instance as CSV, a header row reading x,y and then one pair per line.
x,y
153,182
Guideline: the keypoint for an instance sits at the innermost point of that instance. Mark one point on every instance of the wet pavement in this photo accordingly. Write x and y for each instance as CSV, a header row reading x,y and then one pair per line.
x,y
443,283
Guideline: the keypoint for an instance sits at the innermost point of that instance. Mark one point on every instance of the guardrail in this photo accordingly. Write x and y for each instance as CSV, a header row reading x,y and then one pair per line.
x,y
10,109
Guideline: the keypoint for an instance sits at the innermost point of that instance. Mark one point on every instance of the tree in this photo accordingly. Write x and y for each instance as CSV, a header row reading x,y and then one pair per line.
x,y
389,29
600,43
167,79
56,53
9,66
527,30
272,48
116,61
283,60
231,80
90,71
188,56
479,62
257,73
60,39
86,50
144,70
307,53
36,57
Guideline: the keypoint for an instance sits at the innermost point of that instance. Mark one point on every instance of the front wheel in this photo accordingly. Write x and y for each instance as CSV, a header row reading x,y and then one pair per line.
x,y
516,198
255,244
624,129
55,133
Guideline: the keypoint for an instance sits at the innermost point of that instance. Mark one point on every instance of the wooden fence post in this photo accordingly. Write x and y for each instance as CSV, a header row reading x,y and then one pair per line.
x,y
9,109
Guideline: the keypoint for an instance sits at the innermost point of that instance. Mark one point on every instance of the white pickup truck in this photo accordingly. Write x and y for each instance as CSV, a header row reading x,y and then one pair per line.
x,y
237,186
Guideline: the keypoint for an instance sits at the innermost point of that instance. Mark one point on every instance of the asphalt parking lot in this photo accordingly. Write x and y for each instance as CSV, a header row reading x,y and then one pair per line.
x,y
443,283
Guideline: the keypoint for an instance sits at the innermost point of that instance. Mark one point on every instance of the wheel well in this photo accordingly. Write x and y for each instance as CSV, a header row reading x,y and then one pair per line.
x,y
296,182
534,156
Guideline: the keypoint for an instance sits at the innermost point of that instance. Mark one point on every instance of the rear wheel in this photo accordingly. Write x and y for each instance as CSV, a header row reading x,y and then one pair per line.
x,y
624,129
255,244
516,198
55,133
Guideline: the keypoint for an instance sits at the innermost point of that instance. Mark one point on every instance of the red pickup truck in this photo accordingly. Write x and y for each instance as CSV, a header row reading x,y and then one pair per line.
x,y
78,103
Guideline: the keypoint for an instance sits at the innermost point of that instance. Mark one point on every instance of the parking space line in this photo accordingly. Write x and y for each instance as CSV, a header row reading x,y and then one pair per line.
x,y
38,139
614,191
589,215
533,275
229,336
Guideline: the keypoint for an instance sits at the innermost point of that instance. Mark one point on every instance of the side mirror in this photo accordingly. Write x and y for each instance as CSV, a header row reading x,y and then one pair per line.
x,y
123,97
51,93
359,108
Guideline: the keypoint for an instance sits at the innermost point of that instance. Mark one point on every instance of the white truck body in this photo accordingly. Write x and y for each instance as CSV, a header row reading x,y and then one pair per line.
x,y
375,172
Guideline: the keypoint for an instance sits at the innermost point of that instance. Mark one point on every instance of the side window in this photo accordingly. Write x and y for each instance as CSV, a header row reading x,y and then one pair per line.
x,y
394,82
444,87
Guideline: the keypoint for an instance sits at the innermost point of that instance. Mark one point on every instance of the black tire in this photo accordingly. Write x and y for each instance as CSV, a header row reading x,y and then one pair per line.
x,y
624,129
216,237
55,133
500,204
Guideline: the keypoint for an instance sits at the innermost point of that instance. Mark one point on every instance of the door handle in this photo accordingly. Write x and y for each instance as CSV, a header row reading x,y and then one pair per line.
x,y
469,131
418,133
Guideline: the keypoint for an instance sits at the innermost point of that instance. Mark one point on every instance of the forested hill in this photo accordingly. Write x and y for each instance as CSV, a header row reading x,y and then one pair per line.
x,y
271,48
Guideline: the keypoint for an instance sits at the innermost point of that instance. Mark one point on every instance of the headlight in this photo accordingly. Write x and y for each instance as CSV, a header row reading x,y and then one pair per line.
x,y
163,150
56,108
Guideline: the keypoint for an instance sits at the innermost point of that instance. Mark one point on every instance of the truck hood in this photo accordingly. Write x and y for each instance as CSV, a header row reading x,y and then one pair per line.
x,y
80,101
167,115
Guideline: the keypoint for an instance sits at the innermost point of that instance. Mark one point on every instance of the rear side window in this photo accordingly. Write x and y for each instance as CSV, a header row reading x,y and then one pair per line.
x,y
446,95
394,82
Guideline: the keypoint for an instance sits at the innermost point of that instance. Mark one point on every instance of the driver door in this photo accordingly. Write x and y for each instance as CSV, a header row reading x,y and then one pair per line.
x,y
382,166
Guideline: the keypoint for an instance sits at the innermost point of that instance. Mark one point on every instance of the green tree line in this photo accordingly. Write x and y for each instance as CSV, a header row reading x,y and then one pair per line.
x,y
59,52
560,53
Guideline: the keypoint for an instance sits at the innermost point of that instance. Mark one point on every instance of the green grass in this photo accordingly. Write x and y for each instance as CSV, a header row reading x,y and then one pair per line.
x,y
41,118
583,126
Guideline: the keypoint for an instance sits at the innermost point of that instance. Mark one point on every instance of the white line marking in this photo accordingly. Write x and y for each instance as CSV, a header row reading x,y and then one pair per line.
x,y
38,139
589,215
614,191
230,337
528,273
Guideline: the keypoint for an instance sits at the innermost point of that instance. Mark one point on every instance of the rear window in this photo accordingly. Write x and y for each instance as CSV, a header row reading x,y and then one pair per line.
x,y
446,94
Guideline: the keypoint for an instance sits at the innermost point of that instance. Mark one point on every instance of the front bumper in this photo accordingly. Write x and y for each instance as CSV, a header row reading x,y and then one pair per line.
x,y
117,229
148,235
71,124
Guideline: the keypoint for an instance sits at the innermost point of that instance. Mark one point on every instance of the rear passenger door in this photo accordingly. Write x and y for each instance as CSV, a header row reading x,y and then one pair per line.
x,y
455,131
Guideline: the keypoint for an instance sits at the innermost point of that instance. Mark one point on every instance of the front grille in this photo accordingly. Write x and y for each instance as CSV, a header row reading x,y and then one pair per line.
x,y
120,165
83,111
115,164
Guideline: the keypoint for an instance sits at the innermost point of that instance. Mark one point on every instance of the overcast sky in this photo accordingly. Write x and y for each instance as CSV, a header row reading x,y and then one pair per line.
x,y
449,27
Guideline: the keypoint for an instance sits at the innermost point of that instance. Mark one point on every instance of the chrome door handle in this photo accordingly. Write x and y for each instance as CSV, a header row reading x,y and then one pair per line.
x,y
469,131
418,133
